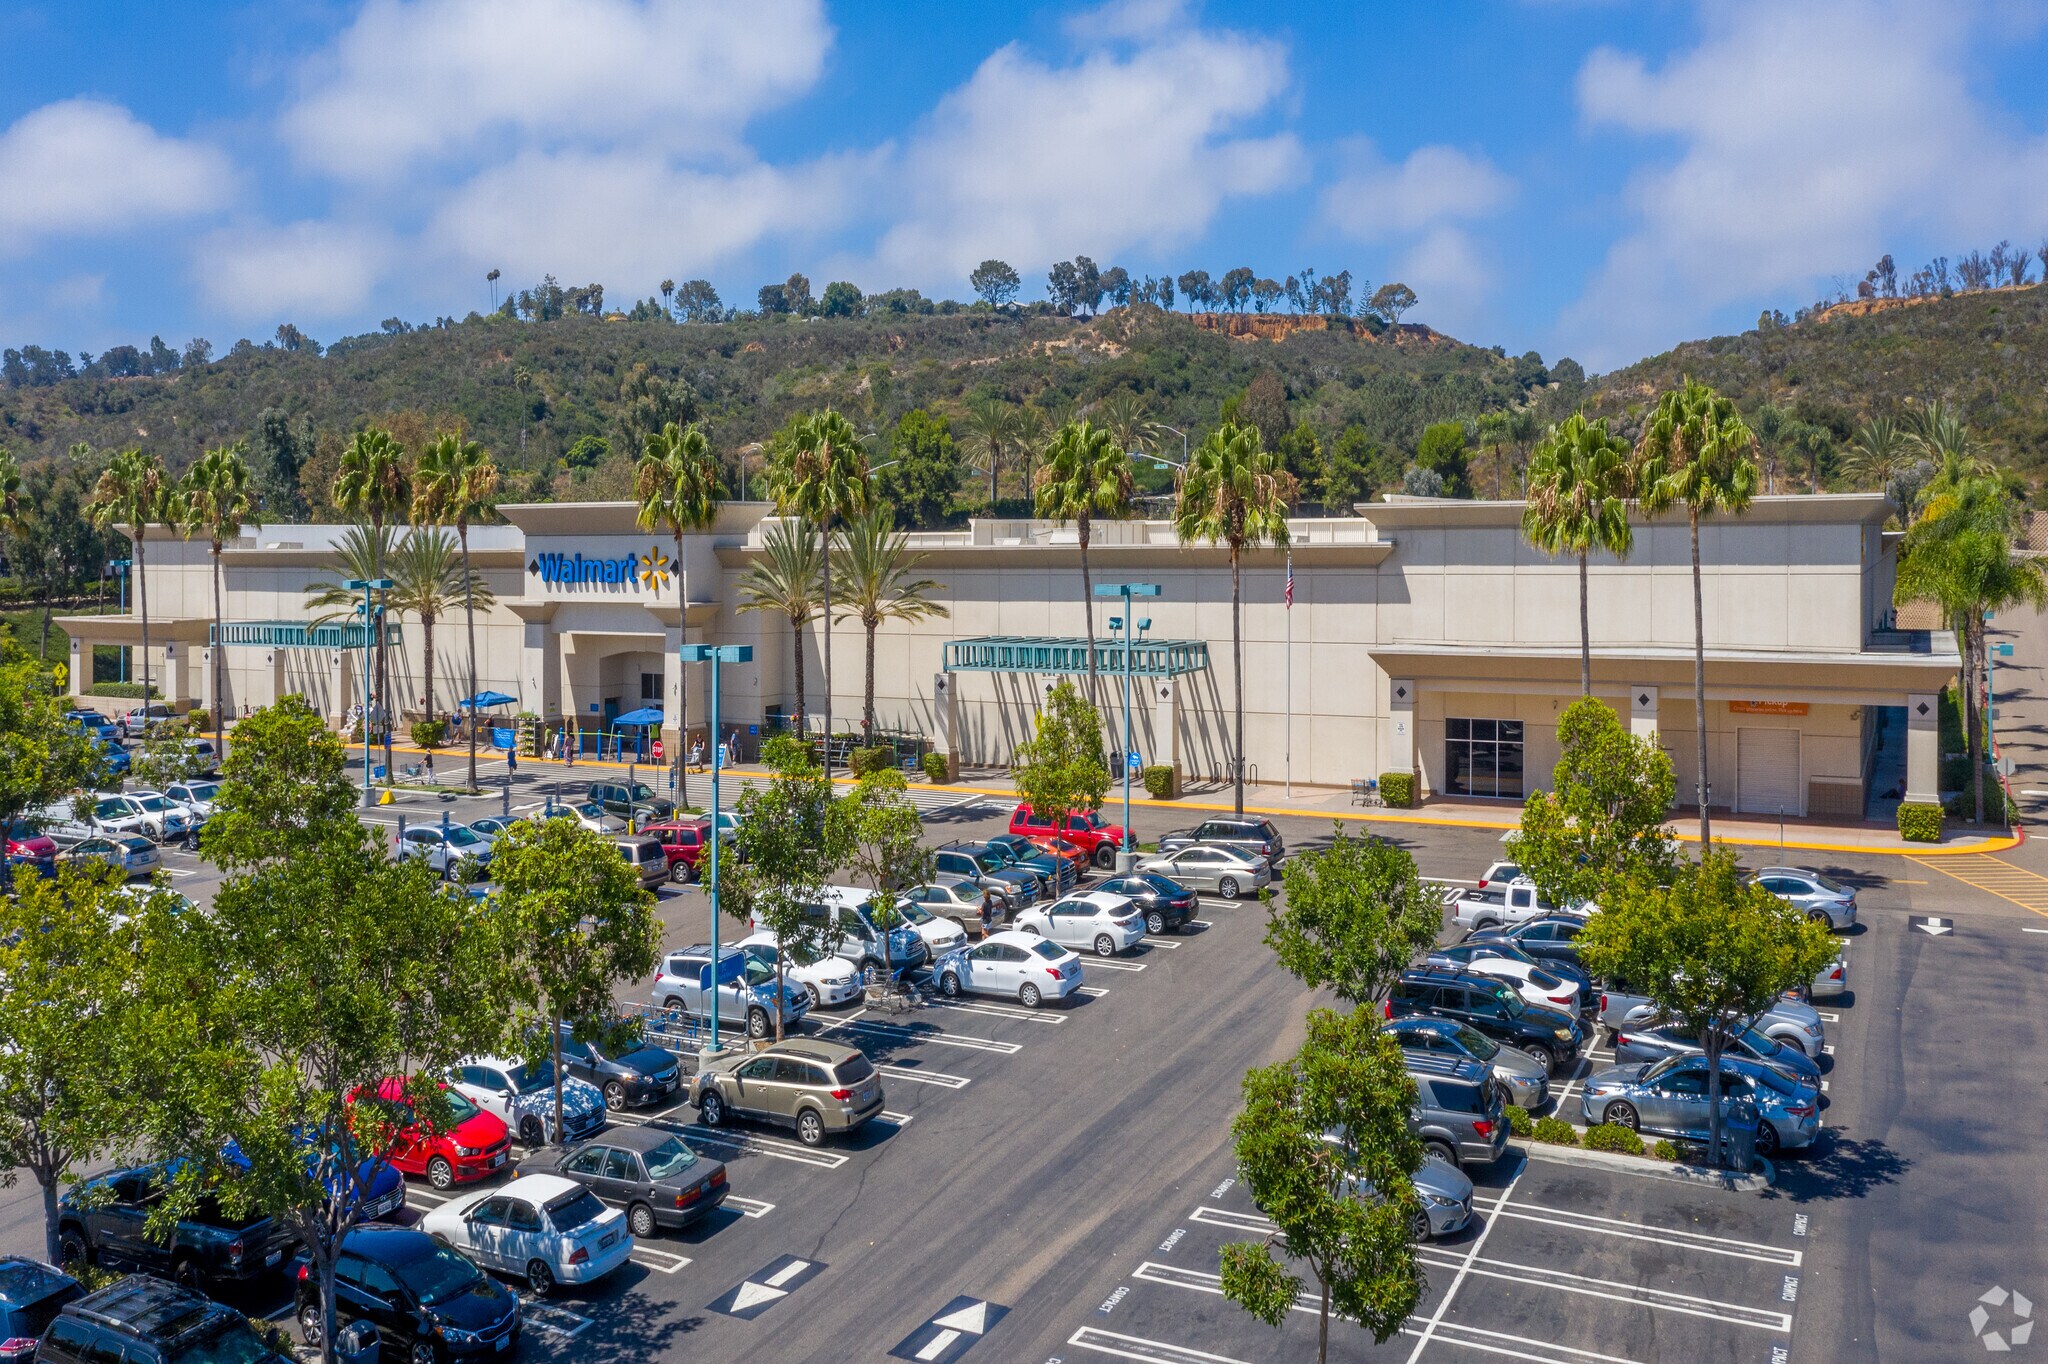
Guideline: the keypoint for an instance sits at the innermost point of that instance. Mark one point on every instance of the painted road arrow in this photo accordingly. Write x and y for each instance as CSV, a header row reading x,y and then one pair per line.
x,y
1929,924
760,1291
951,1333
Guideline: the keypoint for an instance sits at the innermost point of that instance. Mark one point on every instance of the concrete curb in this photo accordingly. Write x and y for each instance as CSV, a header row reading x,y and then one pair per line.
x,y
1643,1168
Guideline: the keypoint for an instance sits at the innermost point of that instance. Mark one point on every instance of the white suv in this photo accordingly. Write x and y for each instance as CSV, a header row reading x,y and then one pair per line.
x,y
523,1094
829,979
1093,919
746,990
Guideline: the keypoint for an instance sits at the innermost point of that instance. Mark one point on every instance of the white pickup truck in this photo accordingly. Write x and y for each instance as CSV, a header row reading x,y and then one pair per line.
x,y
1501,905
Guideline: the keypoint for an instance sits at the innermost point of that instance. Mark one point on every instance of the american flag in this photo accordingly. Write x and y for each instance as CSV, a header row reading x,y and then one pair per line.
x,y
1289,595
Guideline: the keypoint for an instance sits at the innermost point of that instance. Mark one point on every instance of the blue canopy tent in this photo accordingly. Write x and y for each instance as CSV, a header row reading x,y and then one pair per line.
x,y
502,736
643,719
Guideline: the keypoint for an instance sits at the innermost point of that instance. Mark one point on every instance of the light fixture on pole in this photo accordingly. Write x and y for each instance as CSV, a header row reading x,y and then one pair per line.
x,y
1127,854
366,586
119,568
714,654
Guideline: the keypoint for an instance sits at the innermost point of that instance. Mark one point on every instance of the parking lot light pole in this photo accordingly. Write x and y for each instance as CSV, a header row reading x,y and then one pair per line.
x,y
367,586
714,654
1127,854
120,570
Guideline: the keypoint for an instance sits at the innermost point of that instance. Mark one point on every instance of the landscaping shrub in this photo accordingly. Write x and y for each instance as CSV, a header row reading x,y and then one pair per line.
x,y
1963,804
1920,822
198,719
1664,1150
786,751
429,733
862,761
1398,789
1519,1121
132,690
935,769
1610,1136
1158,781
1555,1131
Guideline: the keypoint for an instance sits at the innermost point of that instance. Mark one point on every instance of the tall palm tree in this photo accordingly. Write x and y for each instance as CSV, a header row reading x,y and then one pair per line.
x,y
1523,430
1773,427
787,579
1086,474
874,563
1234,493
360,554
1878,453
216,498
374,485
1492,434
457,481
823,478
991,430
679,490
1029,438
1817,442
1959,554
1123,415
135,492
1946,440
428,580
1697,451
1578,502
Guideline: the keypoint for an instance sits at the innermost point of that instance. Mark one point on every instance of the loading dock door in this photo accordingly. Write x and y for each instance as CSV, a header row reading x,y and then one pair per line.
x,y
1767,772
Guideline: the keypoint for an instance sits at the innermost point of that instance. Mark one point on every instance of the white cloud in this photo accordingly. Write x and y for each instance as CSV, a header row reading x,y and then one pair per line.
x,y
88,166
1032,163
302,272
418,80
1125,20
1811,139
1375,199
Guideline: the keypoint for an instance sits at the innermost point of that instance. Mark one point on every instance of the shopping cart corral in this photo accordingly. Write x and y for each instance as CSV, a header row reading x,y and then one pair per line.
x,y
687,1036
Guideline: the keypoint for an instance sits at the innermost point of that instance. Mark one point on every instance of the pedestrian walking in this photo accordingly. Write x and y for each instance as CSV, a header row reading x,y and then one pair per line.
x,y
512,758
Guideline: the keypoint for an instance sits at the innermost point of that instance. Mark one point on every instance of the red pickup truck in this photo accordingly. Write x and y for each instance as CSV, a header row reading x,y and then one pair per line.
x,y
1085,828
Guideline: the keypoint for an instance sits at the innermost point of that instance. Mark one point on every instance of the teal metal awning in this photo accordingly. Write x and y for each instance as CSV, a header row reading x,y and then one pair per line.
x,y
292,634
1069,657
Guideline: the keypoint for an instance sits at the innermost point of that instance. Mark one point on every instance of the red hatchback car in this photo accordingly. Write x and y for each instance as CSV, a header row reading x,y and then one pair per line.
x,y
684,840
475,1147
26,846
1085,829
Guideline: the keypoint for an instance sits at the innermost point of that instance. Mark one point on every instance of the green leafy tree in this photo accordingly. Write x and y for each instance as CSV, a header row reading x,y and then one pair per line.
x,y
374,485
1391,300
1697,452
166,754
995,283
68,952
43,756
428,580
1060,770
787,578
679,490
1086,474
841,299
574,922
1603,818
1236,494
135,492
284,787
1356,914
1324,1150
795,836
922,477
875,563
821,475
1711,950
1441,450
456,483
216,498
1578,502
884,842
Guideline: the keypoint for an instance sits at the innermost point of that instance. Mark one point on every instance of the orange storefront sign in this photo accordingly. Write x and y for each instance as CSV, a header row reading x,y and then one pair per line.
x,y
1767,707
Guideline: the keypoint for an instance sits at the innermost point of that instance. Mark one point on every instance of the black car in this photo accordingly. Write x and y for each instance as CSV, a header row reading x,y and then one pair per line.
x,y
648,1171
103,1221
1460,954
142,1320
1552,939
31,1293
1255,838
640,1074
1494,1008
428,1303
632,800
1167,904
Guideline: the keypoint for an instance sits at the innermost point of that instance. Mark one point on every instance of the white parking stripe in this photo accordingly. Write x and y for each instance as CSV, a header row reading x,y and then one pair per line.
x,y
1536,1276
926,1077
900,1119
1520,1347
660,1261
428,1194
1235,1221
943,1039
1464,1266
999,1010
751,1207
1092,991
1632,1230
1137,1347
1200,923
1104,964
764,1146
1829,1018
1161,942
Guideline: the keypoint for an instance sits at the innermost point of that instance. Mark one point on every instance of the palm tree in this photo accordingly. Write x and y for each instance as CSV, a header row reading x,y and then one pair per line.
x,y
1698,451
1773,426
1948,443
1029,438
10,488
134,491
1879,453
1522,430
1087,474
823,478
679,490
1122,414
216,498
1234,493
1959,553
457,481
787,579
1492,434
873,562
991,429
1818,442
1578,502
374,485
359,556
428,579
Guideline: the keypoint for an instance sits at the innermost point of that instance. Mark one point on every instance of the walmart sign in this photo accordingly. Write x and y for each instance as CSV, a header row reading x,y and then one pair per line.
x,y
653,570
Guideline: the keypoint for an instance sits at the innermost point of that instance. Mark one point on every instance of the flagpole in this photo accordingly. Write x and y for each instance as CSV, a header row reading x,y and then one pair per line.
x,y
1290,672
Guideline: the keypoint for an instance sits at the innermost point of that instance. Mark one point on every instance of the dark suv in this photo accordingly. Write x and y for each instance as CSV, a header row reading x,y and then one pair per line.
x,y
141,1320
103,1222
426,1301
1460,1111
1492,1006
634,1074
1255,838
632,800
991,869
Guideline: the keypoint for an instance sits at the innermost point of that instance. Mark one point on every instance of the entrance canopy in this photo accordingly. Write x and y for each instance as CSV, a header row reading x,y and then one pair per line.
x,y
292,634
646,715
1069,657
483,700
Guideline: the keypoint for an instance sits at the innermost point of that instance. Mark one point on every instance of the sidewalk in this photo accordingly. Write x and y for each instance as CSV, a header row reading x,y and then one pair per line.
x,y
1798,835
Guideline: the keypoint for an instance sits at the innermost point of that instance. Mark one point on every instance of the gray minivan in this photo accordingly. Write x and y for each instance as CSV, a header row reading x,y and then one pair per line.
x,y
1460,1110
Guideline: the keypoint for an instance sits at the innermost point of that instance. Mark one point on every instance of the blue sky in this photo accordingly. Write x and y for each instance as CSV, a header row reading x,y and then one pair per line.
x,y
1595,179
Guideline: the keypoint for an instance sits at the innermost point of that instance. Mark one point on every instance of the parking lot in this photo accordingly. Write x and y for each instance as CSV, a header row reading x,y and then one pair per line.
x,y
1054,1184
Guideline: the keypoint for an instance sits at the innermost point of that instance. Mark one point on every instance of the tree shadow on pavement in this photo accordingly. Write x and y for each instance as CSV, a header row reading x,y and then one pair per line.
x,y
1844,1167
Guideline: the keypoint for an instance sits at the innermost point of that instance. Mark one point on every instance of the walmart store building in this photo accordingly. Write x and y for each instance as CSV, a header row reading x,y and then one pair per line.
x,y
1426,636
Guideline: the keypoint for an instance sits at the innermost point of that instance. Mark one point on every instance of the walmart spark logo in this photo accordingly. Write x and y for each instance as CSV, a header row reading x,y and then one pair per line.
x,y
656,569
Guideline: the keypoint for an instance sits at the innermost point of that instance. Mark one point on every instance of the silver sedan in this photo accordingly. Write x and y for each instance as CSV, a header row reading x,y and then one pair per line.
x,y
1206,867
1814,895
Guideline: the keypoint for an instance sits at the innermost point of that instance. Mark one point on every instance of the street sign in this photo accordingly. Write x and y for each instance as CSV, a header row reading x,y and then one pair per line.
x,y
1931,925
2006,767
1135,759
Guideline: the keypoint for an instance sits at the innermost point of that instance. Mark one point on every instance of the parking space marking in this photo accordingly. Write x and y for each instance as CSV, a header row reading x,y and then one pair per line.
x,y
1161,942
1614,1290
964,1041
1234,1221
763,1146
1451,1293
660,1261
749,1207
1139,1348
1833,1018
559,1321
926,1077
900,1119
1092,991
1016,1011
1104,964
1520,1347
1629,1229
434,1198
1200,923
